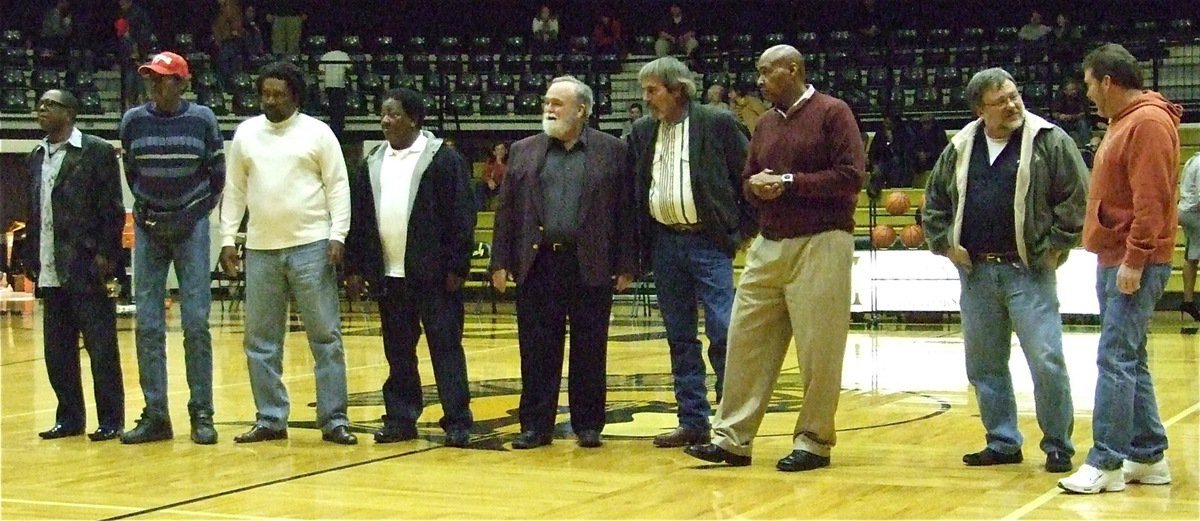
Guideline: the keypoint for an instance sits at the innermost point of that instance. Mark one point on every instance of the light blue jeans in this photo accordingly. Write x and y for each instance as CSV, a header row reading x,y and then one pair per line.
x,y
1125,422
303,272
152,260
997,300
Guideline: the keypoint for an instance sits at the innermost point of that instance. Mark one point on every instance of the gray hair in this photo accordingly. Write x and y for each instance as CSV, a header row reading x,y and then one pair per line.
x,y
583,93
673,74
985,80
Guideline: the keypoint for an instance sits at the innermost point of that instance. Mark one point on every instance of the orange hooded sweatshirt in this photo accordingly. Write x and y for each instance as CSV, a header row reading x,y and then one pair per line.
x,y
1131,216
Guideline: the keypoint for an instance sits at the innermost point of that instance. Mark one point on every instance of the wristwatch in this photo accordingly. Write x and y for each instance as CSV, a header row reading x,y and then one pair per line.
x,y
787,179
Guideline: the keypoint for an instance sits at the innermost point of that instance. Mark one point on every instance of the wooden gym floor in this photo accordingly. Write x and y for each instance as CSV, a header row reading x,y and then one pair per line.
x,y
906,417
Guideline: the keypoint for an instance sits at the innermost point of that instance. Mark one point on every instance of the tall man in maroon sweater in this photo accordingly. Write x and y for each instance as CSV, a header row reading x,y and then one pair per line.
x,y
805,169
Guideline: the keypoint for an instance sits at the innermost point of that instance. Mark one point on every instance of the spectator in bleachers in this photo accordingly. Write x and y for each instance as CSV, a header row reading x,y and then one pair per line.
x,y
494,170
929,139
545,30
253,42
1035,30
715,97
1005,204
746,106
335,64
133,30
1069,110
287,24
870,24
890,156
607,36
57,26
228,33
635,112
676,35
1066,40
693,218
1189,219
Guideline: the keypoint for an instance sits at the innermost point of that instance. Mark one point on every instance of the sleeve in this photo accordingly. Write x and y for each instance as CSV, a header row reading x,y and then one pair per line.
x,y
1189,191
337,186
1068,191
460,234
504,222
233,197
627,232
845,176
937,217
215,162
127,159
737,148
1151,168
110,212
356,237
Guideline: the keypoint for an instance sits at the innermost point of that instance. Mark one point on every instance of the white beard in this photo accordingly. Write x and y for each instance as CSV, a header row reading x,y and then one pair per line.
x,y
556,128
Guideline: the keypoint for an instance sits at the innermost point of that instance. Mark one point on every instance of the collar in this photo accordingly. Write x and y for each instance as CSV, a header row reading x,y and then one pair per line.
x,y
417,146
75,140
581,142
153,108
282,124
808,93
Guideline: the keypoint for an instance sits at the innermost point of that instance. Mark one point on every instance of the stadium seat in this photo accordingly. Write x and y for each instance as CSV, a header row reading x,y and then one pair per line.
x,y
531,82
545,62
577,63
528,103
417,45
45,79
450,44
246,103
482,63
482,44
390,64
808,41
90,102
417,63
743,42
214,100
643,44
15,102
460,103
500,82
13,78
317,44
448,63
434,83
515,44
468,82
403,81
709,43
371,84
356,104
603,104
513,63
493,104
184,43
773,39
384,44
351,44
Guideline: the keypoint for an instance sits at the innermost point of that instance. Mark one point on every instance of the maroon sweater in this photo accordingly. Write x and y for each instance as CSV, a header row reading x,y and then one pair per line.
x,y
819,142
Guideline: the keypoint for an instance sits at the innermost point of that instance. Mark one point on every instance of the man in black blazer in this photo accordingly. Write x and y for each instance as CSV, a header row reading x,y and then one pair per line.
x,y
72,249
411,235
564,232
687,159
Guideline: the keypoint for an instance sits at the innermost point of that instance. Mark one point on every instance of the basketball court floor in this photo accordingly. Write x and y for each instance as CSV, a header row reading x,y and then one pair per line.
x,y
906,417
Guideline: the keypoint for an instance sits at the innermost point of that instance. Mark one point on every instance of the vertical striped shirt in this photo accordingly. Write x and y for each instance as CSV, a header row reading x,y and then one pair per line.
x,y
671,200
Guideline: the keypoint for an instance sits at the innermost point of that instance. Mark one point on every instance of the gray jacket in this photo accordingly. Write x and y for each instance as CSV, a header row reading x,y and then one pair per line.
x,y
1048,204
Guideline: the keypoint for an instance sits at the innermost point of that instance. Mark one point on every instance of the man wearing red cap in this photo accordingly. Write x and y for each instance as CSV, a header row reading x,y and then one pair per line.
x,y
175,167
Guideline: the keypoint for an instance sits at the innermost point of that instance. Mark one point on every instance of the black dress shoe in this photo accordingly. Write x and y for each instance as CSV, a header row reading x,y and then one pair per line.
x,y
588,439
340,435
682,437
713,453
259,433
104,433
531,439
395,433
802,460
148,429
458,438
60,431
1058,462
988,457
203,432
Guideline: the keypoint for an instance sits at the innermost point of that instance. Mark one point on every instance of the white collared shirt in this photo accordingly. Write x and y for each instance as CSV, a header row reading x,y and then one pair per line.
x,y
51,165
808,93
395,193
671,199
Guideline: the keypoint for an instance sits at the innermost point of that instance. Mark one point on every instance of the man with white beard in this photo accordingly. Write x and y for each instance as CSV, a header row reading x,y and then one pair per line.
x,y
568,253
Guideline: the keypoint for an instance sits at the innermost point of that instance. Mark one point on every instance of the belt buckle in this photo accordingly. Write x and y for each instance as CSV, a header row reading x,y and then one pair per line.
x,y
558,247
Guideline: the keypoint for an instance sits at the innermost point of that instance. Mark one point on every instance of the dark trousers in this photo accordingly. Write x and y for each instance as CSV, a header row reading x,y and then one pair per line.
x,y
337,111
405,306
551,294
92,314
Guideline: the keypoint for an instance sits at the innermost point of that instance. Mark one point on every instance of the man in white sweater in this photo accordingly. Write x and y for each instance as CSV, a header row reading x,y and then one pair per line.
x,y
287,169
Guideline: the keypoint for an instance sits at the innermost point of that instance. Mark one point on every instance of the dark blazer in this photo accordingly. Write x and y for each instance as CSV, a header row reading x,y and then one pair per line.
x,y
608,241
717,155
88,214
441,222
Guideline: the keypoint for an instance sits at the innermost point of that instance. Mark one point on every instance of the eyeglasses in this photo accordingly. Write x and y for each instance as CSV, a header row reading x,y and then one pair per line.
x,y
1013,98
50,104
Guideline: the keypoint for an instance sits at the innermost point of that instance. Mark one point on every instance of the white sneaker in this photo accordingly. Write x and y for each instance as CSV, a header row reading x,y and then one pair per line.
x,y
1091,480
1158,473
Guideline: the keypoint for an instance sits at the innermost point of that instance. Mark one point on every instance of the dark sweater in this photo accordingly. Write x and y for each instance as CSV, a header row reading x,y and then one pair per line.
x,y
173,160
820,144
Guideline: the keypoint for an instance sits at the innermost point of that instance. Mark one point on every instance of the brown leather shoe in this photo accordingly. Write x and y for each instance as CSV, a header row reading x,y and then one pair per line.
x,y
682,437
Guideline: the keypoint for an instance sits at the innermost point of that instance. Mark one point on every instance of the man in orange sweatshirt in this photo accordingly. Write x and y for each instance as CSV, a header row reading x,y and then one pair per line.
x,y
1130,225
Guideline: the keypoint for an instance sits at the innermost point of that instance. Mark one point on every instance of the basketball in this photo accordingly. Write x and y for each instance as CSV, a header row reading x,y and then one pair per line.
x,y
912,236
883,236
897,203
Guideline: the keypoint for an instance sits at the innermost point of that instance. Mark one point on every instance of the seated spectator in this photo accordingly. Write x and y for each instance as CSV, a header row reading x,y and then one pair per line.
x,y
929,141
677,34
607,36
635,112
888,156
57,27
746,106
545,30
715,97
1035,30
1069,110
227,31
253,41
1066,41
493,174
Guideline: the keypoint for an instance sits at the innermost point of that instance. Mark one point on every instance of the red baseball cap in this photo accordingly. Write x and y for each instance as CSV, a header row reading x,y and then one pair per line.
x,y
168,64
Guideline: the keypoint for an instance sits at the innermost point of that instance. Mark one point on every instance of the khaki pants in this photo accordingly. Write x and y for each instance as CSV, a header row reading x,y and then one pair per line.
x,y
797,286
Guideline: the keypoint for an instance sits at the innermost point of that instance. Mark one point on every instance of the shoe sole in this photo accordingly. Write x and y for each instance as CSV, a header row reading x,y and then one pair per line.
x,y
1148,481
146,440
1093,490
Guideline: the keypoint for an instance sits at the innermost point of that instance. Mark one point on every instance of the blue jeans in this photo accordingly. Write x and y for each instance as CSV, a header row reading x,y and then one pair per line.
x,y
997,300
305,273
1125,422
687,266
151,261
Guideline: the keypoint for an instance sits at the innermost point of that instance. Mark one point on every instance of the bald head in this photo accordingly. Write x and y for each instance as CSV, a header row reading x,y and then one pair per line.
x,y
782,52
781,74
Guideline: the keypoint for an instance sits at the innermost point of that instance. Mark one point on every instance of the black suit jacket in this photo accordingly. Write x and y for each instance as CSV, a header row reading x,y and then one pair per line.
x,y
717,155
441,222
88,214
608,242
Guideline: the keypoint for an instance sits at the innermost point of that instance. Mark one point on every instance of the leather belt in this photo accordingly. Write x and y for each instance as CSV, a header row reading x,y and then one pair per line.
x,y
997,258
684,228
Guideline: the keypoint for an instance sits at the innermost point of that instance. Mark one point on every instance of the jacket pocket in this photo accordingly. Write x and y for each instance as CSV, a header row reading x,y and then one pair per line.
x,y
1107,228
